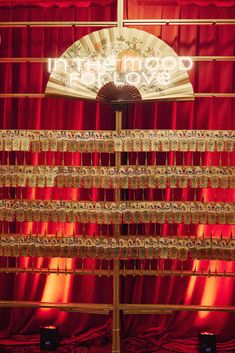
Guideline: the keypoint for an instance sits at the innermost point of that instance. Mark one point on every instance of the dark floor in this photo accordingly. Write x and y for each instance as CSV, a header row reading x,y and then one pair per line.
x,y
94,348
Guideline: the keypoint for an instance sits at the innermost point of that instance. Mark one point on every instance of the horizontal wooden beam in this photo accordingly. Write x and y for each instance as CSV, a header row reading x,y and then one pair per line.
x,y
107,308
151,308
175,21
217,95
78,307
22,95
126,22
57,271
123,272
45,60
23,60
176,273
42,95
211,58
59,24
141,311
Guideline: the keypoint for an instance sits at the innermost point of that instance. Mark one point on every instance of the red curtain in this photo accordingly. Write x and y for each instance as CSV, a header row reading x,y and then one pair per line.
x,y
162,333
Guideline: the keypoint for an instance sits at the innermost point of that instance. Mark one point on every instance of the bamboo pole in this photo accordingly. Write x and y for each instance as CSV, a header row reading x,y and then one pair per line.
x,y
150,308
22,95
126,308
78,307
120,13
59,24
42,95
211,95
116,275
179,22
122,272
57,271
27,59
177,273
127,22
78,272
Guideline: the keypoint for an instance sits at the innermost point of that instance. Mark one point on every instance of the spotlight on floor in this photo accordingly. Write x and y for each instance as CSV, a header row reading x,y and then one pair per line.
x,y
207,342
49,338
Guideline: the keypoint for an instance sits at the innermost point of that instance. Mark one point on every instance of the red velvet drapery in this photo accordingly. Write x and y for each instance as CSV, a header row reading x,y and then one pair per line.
x,y
175,332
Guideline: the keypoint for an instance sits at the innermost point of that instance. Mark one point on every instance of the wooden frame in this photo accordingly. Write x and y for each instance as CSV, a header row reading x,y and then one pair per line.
x,y
116,272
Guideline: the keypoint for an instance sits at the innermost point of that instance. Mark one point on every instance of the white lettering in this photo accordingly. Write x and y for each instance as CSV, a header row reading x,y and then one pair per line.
x,y
78,63
132,70
102,79
148,80
151,64
109,64
95,64
164,78
186,63
116,79
169,63
88,78
60,65
49,65
73,77
133,78
131,63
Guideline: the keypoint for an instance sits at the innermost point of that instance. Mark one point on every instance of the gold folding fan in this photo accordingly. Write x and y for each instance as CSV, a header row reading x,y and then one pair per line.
x,y
120,65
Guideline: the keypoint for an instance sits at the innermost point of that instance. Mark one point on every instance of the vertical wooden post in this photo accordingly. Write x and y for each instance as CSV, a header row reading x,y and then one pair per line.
x,y
116,264
120,13
116,275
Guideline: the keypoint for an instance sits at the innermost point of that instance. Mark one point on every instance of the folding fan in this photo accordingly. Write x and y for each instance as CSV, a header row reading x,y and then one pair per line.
x,y
119,65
